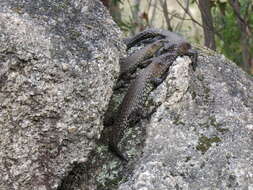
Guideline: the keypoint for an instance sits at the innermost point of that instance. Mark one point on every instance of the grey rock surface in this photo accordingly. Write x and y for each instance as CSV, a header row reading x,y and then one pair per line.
x,y
201,137
58,63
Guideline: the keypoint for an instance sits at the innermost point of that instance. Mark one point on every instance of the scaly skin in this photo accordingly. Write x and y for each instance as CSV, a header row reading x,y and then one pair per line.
x,y
148,79
156,34
129,64
172,39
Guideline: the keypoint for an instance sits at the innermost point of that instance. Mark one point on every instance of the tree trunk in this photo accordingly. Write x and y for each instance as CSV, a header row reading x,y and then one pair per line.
x,y
115,11
245,36
113,8
105,2
164,6
207,20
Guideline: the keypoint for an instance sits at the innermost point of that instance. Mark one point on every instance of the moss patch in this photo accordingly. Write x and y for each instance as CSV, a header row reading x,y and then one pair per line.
x,y
205,143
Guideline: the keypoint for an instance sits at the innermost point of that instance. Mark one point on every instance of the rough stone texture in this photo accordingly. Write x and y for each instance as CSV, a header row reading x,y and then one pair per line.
x,y
201,137
58,63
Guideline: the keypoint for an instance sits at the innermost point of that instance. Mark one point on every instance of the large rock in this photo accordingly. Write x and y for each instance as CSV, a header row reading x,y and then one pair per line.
x,y
201,135
199,138
58,63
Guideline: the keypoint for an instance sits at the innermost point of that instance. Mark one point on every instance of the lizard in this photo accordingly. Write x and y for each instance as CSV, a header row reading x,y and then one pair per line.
x,y
128,66
131,108
152,34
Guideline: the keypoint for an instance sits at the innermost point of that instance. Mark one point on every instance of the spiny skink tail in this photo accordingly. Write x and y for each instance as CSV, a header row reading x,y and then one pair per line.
x,y
113,148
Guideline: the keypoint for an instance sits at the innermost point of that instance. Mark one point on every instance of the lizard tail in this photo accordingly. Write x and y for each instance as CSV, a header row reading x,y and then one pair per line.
x,y
115,150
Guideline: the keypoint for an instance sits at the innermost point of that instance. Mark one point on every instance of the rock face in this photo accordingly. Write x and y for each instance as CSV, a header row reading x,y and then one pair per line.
x,y
199,138
58,63
201,135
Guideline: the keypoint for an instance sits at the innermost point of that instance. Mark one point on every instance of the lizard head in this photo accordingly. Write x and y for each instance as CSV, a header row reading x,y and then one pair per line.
x,y
185,48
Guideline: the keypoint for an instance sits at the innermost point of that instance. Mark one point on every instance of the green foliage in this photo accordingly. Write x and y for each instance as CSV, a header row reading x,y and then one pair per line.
x,y
115,2
225,23
126,26
228,38
230,42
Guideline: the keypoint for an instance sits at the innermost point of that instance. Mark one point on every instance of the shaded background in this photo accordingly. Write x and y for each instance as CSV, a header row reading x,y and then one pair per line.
x,y
222,25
